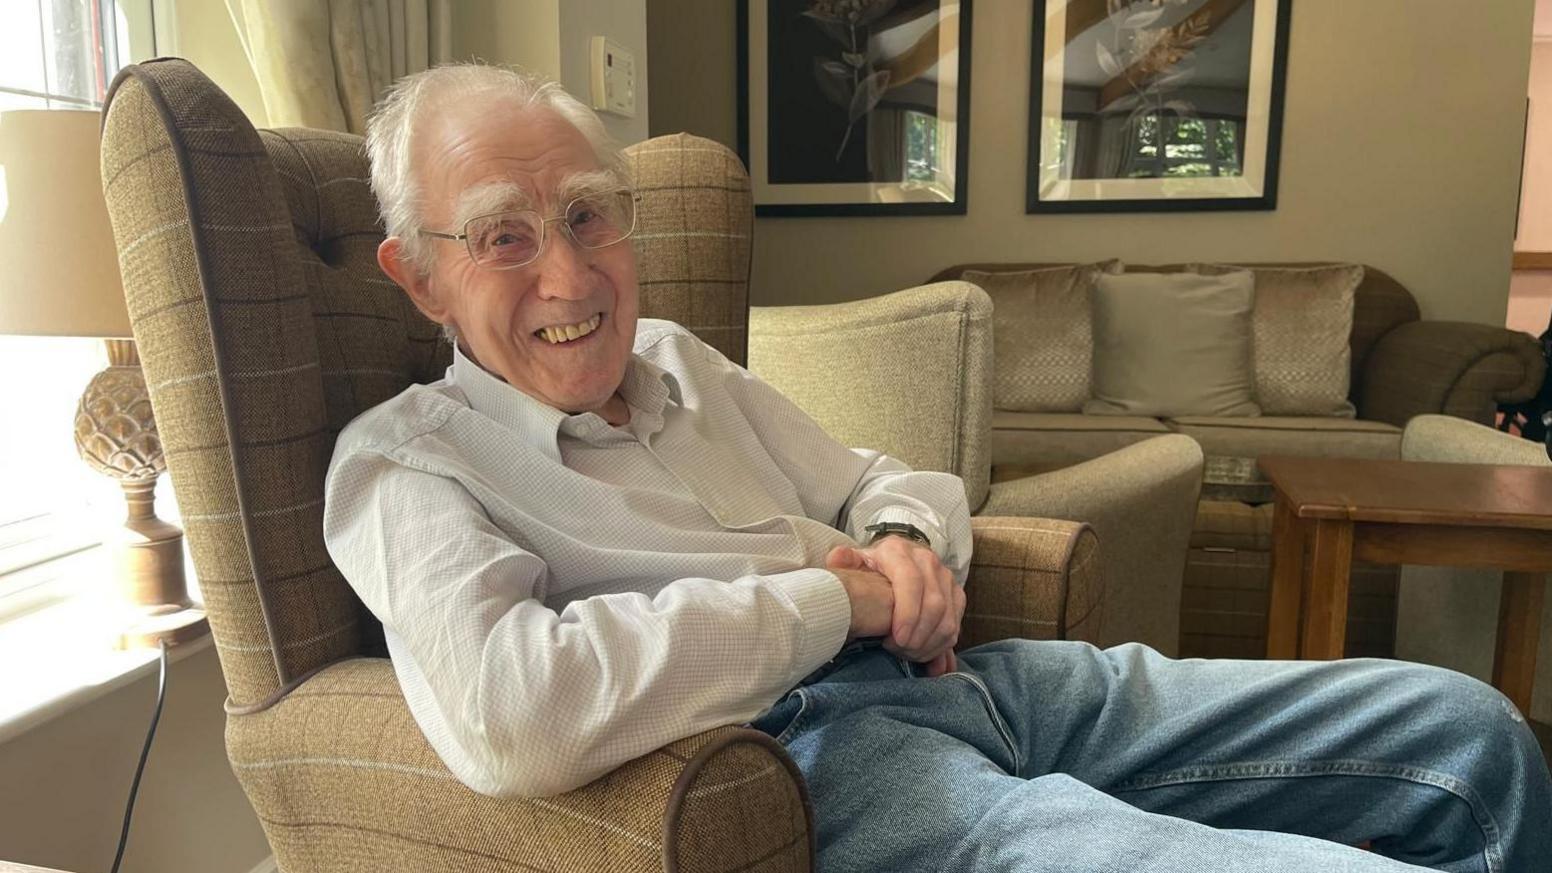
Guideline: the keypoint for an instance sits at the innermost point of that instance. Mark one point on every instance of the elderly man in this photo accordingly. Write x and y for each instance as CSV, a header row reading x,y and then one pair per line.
x,y
597,535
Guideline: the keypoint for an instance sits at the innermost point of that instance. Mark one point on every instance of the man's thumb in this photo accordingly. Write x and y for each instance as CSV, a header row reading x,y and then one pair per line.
x,y
843,558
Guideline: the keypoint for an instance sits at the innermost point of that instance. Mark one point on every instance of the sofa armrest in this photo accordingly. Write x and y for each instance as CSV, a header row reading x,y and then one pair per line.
x,y
866,371
1141,501
1450,367
1448,440
342,779
1032,578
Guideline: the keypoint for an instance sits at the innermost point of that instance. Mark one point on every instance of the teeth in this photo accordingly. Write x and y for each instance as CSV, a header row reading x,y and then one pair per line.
x,y
570,332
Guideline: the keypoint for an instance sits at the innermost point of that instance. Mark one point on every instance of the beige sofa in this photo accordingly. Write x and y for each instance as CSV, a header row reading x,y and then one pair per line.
x,y
1401,367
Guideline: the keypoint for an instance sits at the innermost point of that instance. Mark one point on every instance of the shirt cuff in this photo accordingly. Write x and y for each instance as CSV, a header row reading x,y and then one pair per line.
x,y
825,611
931,528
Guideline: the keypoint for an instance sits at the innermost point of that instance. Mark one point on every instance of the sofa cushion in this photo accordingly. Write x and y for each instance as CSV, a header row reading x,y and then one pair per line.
x,y
1042,335
1173,344
1303,324
1039,441
1306,436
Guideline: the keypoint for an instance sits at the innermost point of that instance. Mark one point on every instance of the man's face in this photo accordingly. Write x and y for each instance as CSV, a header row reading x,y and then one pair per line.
x,y
481,157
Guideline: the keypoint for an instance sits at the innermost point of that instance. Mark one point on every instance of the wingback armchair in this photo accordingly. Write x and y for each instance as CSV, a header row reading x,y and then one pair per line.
x,y
264,326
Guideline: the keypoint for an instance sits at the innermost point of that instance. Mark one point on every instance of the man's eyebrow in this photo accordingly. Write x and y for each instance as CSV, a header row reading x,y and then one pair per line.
x,y
487,198
590,182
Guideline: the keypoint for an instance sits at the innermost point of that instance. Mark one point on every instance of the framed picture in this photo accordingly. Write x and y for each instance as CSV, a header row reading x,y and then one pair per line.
x,y
1156,105
855,107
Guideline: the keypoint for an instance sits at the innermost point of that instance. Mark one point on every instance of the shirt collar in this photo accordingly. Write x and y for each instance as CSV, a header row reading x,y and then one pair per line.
x,y
647,388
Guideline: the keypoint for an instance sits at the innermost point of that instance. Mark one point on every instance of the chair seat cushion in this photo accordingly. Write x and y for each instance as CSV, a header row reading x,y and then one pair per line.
x,y
1050,440
1306,436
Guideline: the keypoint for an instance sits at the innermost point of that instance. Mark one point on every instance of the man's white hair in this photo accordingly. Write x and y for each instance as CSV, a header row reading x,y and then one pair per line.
x,y
391,136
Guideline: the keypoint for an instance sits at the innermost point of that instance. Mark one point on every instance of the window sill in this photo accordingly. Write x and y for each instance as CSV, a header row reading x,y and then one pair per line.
x,y
61,656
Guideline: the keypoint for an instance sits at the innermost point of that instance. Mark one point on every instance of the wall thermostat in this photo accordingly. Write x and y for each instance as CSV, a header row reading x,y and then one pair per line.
x,y
613,78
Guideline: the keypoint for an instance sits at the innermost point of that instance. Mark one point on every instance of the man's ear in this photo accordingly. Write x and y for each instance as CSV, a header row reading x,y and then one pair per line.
x,y
404,273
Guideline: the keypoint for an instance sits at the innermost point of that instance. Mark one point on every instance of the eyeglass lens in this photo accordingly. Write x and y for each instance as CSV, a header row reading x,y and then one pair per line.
x,y
511,239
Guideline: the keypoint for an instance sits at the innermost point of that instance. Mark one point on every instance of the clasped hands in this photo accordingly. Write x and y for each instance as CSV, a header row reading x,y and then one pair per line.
x,y
900,589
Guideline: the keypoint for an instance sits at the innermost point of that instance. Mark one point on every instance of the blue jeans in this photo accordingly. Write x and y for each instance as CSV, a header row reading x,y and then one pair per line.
x,y
1059,756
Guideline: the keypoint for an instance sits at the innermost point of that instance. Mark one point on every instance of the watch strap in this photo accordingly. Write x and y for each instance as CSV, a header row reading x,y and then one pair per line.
x,y
897,528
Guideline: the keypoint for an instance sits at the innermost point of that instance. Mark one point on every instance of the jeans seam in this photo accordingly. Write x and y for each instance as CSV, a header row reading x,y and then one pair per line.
x,y
998,721
797,719
1491,851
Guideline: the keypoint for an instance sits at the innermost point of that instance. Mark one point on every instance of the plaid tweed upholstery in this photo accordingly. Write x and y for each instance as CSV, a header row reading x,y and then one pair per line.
x,y
693,237
1033,578
263,327
1449,367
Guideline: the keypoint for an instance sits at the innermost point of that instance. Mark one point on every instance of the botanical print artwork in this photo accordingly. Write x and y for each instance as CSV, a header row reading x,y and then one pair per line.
x,y
853,84
1150,58
1166,82
855,106
1183,95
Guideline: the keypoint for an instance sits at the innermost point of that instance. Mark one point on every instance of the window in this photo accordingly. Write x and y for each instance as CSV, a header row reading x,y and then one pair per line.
x,y
54,54
1173,145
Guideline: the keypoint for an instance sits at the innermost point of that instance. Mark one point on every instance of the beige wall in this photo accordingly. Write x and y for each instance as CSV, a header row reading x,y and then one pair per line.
x,y
519,33
1401,149
625,22
65,783
553,38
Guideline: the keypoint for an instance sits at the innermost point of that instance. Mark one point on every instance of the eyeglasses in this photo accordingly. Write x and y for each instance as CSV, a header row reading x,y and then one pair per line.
x,y
508,240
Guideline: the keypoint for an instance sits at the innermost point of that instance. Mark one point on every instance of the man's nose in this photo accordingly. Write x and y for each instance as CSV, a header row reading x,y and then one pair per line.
x,y
562,267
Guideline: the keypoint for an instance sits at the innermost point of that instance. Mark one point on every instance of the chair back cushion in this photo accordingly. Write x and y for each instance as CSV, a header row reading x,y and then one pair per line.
x,y
264,326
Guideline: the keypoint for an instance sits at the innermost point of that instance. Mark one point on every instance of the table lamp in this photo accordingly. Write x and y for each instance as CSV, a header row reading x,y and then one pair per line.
x,y
59,276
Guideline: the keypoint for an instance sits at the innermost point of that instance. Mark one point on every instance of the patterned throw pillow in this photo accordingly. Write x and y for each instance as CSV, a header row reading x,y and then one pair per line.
x,y
1042,335
1303,324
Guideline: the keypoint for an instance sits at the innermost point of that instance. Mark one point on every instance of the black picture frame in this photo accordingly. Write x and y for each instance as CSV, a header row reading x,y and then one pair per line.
x,y
959,202
1267,199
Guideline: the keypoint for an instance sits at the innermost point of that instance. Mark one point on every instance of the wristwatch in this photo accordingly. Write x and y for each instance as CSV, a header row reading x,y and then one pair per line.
x,y
898,528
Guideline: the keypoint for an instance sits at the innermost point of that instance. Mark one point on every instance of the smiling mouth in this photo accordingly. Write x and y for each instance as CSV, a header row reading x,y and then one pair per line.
x,y
568,335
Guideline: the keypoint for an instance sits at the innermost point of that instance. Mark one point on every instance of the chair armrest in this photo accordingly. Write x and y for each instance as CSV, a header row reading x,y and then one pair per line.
x,y
1449,440
342,779
1141,502
1032,578
1449,367
866,370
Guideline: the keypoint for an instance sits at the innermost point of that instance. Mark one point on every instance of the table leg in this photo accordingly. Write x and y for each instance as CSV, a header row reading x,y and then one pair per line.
x,y
1519,632
1282,613
1325,611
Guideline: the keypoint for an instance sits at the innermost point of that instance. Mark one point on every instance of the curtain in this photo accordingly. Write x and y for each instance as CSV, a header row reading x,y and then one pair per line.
x,y
325,63
1119,139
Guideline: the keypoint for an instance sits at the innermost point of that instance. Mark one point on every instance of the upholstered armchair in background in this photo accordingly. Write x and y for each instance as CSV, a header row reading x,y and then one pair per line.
x,y
264,326
1448,616
910,373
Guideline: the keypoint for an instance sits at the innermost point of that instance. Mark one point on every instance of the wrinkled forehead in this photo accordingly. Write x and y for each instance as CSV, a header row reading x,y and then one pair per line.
x,y
501,195
505,155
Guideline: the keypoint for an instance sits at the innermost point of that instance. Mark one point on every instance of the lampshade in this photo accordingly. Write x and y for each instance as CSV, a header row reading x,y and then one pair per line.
x,y
59,271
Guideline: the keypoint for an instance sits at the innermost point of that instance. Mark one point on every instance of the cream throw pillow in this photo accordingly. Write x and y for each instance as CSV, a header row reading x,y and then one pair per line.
x,y
1303,325
1042,335
1173,344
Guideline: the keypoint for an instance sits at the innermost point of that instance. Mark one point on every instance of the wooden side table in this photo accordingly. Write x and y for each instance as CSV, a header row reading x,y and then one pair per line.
x,y
1330,511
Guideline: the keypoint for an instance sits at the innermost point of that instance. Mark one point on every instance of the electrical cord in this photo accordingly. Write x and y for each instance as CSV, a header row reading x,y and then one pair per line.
x,y
134,787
